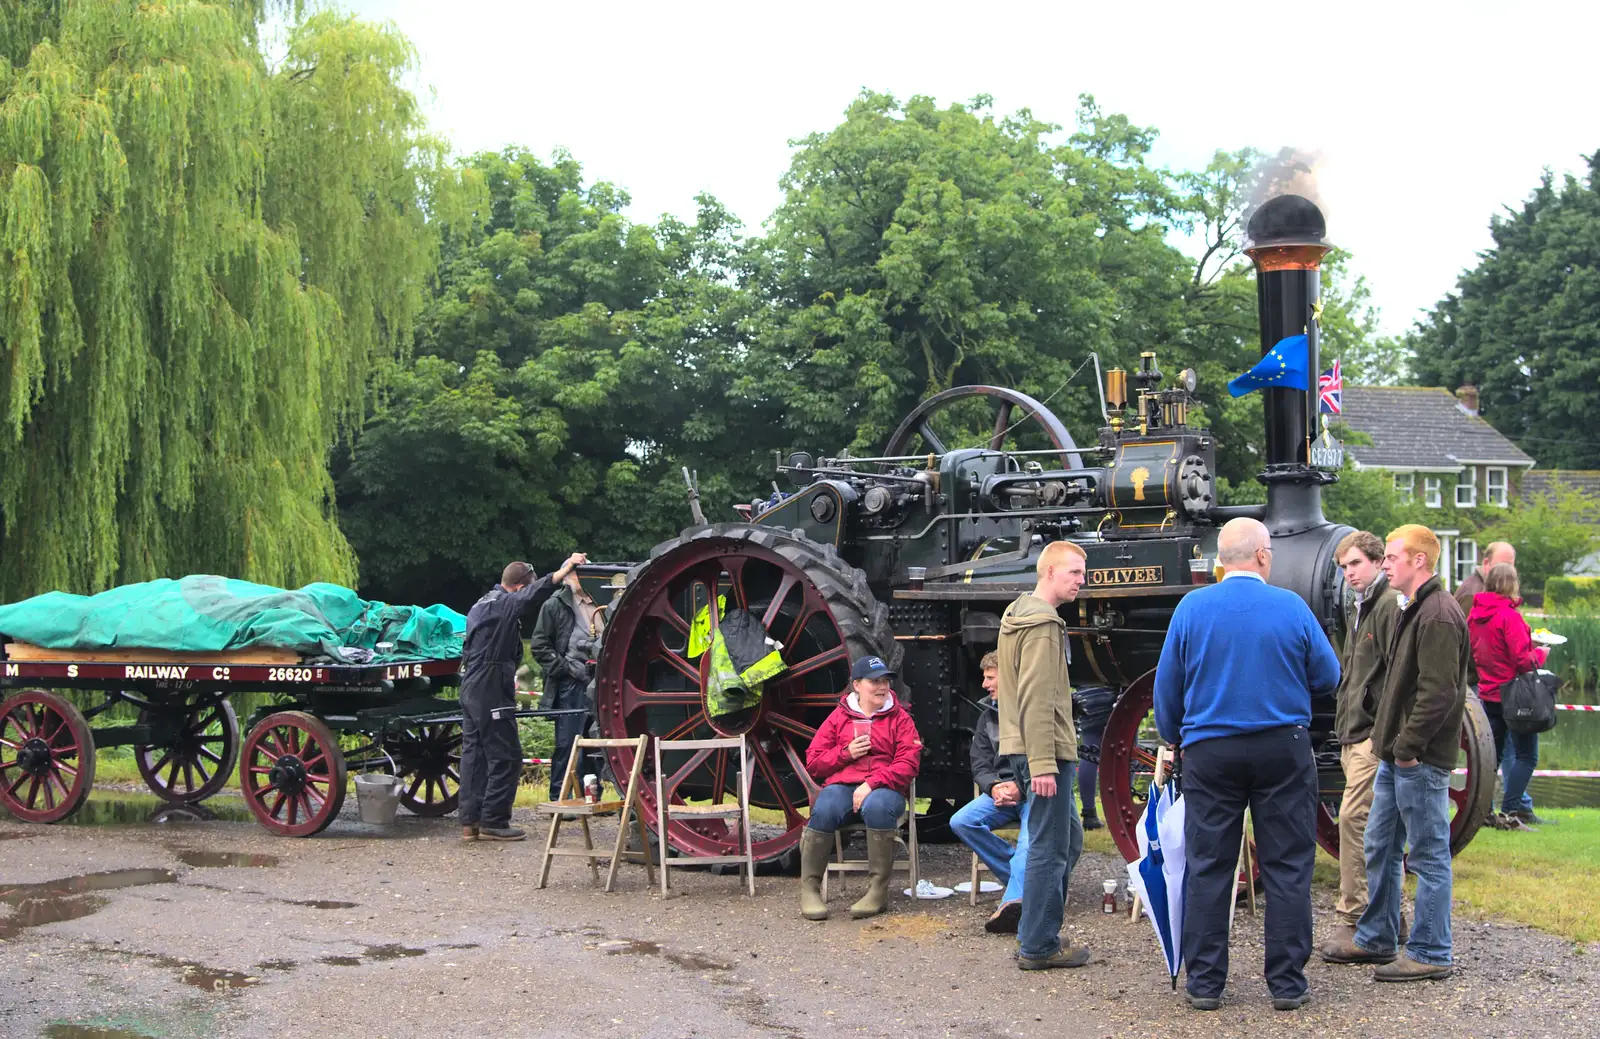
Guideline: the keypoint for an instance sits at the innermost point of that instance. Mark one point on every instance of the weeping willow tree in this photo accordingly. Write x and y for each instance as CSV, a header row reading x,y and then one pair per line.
x,y
202,258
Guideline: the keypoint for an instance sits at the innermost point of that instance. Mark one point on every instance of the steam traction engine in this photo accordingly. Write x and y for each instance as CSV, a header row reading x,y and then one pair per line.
x,y
913,555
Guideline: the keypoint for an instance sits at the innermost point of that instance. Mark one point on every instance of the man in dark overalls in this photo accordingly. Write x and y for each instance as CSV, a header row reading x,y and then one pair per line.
x,y
491,752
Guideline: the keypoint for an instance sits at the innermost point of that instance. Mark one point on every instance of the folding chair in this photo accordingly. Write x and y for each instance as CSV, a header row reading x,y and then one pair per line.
x,y
908,841
737,813
571,802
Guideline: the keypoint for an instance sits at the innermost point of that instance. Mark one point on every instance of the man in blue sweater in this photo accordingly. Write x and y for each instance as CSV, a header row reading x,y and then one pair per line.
x,y
1234,684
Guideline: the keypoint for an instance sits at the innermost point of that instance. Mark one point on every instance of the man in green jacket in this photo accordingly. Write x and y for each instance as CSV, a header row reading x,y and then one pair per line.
x,y
1416,733
1035,700
1360,556
565,642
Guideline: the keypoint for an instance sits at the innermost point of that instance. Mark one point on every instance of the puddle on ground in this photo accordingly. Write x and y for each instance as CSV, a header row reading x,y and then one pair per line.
x,y
638,947
319,903
277,965
392,951
143,809
69,898
67,1030
225,859
212,980
464,945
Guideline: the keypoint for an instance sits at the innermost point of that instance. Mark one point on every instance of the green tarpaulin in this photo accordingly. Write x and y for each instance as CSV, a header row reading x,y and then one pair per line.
x,y
207,614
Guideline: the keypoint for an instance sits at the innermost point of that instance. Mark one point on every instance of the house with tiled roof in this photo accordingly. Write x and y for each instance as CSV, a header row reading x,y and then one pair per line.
x,y
1586,483
1443,455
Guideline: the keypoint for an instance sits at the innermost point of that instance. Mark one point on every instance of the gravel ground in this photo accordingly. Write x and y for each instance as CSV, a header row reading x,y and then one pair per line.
x,y
228,931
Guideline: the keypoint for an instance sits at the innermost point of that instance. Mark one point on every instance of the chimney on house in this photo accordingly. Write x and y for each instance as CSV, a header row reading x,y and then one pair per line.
x,y
1467,399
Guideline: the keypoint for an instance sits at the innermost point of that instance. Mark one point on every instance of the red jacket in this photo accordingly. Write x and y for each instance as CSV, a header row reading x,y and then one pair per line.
x,y
896,753
1502,645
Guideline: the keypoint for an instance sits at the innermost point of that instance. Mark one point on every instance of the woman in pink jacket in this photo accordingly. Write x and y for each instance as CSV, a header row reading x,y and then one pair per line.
x,y
1502,649
866,753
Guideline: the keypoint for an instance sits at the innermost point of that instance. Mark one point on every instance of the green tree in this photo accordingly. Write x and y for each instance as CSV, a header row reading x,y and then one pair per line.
x,y
202,258
1524,324
921,247
570,363
1551,532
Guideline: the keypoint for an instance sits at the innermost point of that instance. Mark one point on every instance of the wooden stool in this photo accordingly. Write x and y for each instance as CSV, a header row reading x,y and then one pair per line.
x,y
571,802
908,841
738,812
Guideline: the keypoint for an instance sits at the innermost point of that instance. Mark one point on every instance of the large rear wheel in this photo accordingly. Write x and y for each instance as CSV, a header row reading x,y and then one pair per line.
x,y
46,756
808,599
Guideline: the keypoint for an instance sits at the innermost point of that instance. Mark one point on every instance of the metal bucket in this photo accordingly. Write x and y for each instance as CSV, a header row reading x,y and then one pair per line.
x,y
377,798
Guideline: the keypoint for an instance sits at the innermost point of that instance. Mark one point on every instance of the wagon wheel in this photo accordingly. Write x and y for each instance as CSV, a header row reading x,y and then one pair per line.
x,y
1011,410
46,757
292,774
428,762
809,599
1127,759
199,758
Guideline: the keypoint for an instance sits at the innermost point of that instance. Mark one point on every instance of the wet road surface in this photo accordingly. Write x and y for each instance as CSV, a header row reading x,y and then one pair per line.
x,y
203,924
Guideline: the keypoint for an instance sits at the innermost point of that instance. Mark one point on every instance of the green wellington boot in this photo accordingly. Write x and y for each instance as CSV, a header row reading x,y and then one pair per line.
x,y
880,864
815,847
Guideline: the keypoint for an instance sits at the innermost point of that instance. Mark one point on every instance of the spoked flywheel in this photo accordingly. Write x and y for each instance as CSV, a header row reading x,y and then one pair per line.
x,y
649,680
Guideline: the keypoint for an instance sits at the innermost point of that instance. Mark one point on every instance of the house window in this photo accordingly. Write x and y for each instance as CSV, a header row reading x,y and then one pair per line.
x,y
1405,485
1467,489
1431,495
1494,486
1466,559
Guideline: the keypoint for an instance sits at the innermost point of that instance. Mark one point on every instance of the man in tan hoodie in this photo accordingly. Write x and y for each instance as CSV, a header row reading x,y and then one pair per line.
x,y
1035,700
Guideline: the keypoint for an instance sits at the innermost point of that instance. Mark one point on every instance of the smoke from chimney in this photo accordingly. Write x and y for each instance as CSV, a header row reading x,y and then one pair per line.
x,y
1292,171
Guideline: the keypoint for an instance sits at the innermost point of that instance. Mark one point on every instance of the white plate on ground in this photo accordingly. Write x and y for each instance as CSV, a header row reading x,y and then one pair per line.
x,y
985,887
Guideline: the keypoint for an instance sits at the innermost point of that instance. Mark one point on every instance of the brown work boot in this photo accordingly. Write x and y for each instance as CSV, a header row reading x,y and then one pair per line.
x,y
1066,956
1345,950
469,833
1408,969
1006,918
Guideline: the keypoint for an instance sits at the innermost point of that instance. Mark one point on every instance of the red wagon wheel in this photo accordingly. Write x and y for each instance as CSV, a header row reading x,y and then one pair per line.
x,y
1127,759
428,762
198,759
46,756
807,598
292,774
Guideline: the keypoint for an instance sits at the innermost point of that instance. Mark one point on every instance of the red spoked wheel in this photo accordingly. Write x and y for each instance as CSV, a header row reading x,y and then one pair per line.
x,y
292,774
1127,761
807,598
428,762
46,756
199,758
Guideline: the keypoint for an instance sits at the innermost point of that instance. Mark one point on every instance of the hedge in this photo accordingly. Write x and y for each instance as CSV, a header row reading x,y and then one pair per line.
x,y
1571,592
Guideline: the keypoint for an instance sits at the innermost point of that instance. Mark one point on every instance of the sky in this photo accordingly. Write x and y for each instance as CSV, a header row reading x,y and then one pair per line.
x,y
1429,118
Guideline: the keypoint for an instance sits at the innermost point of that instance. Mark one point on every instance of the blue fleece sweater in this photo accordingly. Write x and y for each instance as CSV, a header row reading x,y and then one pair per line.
x,y
1240,656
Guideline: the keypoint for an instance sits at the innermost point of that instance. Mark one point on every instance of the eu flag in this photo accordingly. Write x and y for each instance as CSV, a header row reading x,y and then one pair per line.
x,y
1282,367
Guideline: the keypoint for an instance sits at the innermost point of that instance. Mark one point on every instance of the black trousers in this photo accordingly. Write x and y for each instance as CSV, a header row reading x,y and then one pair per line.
x,y
491,750
571,693
1273,774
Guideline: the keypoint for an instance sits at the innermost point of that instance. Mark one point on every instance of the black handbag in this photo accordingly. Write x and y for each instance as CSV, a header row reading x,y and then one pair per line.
x,y
1528,701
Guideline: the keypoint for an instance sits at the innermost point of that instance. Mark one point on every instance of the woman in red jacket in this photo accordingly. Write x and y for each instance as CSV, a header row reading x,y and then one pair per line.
x,y
866,753
1502,649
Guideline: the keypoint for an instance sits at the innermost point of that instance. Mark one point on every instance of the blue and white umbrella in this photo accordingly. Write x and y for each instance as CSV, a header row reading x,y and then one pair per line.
x,y
1158,874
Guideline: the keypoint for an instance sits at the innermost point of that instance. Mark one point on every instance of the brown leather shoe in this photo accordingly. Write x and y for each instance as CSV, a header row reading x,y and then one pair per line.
x,y
1066,956
1408,969
469,833
1006,918
1345,950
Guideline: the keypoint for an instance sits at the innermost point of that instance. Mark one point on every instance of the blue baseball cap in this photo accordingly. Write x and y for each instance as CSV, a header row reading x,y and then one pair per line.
x,y
870,667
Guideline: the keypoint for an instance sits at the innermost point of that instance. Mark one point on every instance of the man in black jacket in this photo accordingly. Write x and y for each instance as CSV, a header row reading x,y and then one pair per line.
x,y
1416,733
491,753
999,805
565,641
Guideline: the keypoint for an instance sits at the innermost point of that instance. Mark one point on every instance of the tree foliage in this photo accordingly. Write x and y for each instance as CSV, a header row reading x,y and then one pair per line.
x,y
201,259
1524,324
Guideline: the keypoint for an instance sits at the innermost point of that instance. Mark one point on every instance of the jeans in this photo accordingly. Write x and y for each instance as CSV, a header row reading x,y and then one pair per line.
x,y
881,810
1517,754
1272,773
975,822
1409,805
1055,840
571,694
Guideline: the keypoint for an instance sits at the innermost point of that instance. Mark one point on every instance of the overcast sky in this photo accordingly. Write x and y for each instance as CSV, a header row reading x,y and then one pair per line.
x,y
1429,117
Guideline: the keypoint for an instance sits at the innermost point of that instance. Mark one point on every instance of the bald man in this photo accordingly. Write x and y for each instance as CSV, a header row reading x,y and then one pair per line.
x,y
1240,665
1495,552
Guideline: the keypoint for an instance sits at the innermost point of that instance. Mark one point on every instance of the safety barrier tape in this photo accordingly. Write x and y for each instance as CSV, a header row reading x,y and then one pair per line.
x,y
1577,707
1551,773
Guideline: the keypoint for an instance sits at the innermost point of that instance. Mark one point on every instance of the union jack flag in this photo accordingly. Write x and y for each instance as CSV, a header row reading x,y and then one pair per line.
x,y
1330,391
